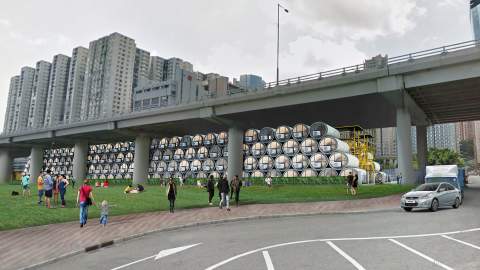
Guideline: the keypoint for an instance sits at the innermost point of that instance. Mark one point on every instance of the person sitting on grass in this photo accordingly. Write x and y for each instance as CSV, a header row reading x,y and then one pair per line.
x,y
140,188
105,183
97,184
128,189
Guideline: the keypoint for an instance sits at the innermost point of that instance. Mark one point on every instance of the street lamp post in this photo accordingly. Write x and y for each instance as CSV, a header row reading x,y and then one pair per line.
x,y
278,35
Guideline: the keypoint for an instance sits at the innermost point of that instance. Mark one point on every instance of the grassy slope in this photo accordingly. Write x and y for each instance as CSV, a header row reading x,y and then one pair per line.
x,y
18,212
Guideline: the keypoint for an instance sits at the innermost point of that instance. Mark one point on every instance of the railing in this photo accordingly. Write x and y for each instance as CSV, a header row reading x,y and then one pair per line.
x,y
310,77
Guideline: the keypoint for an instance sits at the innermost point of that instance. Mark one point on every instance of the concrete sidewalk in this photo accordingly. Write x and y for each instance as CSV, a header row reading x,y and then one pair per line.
x,y
32,246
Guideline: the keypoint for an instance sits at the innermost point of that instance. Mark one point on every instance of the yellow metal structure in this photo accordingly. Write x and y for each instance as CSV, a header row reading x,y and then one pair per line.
x,y
362,145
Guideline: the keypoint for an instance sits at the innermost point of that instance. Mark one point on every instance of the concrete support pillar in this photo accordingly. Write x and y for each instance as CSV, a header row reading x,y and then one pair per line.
x,y
5,166
235,153
36,163
404,146
80,153
141,159
422,150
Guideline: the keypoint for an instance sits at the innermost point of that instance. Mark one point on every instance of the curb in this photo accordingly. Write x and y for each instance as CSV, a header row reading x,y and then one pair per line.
x,y
197,224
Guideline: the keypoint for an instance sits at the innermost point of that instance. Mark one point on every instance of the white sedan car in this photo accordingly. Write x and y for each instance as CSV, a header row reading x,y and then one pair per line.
x,y
432,196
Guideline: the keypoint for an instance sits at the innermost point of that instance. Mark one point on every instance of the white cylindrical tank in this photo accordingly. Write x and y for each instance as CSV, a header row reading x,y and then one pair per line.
x,y
250,164
266,163
290,173
210,139
320,129
208,165
222,138
221,165
309,146
291,147
174,142
376,166
178,154
202,153
282,163
196,165
216,175
329,144
190,154
267,134
339,160
167,155
163,144
257,174
258,149
300,132
184,166
215,152
308,173
328,172
283,133
162,166
197,140
172,166
251,136
186,142
274,149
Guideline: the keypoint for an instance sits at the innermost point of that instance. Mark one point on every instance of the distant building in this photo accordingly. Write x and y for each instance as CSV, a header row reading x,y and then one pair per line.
x,y
475,17
22,101
38,101
57,90
141,67
11,104
76,81
251,82
157,68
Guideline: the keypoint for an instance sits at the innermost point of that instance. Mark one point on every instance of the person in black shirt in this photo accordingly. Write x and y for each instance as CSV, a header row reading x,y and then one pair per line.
x,y
210,189
225,190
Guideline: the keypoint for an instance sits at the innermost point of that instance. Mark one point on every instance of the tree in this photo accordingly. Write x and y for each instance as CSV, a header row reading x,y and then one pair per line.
x,y
444,157
467,150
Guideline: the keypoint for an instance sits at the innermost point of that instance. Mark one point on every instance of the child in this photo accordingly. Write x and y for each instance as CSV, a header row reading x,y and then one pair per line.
x,y
104,213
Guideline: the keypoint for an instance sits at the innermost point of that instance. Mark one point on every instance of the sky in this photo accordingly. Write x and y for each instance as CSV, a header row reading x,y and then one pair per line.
x,y
231,37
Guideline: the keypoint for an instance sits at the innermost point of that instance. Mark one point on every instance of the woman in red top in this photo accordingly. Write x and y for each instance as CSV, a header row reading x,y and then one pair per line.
x,y
105,183
84,199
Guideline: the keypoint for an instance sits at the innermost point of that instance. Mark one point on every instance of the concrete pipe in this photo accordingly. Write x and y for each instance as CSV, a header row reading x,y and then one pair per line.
x,y
309,146
300,132
282,163
320,129
167,155
201,175
274,149
197,140
215,152
185,142
157,155
216,175
340,160
202,153
196,165
246,149
184,166
210,139
376,166
163,144
222,138
300,162
174,142
153,145
221,165
328,145
308,173
290,173
208,165
266,163
283,133
172,166
291,147
250,164
178,154
257,174
162,166
274,173
258,149
267,134
251,136
190,154
328,172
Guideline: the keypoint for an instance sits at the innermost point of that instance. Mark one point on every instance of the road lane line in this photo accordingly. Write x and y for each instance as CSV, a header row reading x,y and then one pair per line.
x,y
421,255
228,260
461,242
346,256
268,260
157,256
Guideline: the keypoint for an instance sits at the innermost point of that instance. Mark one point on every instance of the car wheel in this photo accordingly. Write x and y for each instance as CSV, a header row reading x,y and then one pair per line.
x,y
457,203
408,209
434,206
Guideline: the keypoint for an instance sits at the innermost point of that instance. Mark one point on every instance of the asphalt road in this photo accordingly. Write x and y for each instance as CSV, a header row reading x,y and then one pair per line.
x,y
447,239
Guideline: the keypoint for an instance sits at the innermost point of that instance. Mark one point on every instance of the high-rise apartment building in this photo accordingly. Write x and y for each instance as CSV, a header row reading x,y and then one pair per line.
x,y
109,77
11,104
157,67
38,101
251,82
141,68
22,102
76,80
475,17
57,90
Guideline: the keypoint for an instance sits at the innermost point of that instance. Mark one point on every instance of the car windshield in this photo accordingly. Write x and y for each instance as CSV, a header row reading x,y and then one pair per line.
x,y
427,187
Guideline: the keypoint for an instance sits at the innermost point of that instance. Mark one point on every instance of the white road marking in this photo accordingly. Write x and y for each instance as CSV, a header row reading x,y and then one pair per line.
x,y
422,255
161,254
215,266
268,260
461,242
167,252
346,256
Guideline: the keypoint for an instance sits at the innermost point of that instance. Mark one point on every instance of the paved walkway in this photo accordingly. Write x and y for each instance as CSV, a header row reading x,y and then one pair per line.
x,y
30,246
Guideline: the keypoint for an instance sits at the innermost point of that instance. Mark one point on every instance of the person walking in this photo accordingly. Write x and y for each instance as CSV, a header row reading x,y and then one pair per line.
x,y
210,189
40,188
171,194
104,213
225,190
62,188
355,184
236,186
349,183
56,191
48,187
26,185
84,200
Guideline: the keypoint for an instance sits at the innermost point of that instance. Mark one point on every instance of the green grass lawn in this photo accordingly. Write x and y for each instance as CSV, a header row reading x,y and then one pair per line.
x,y
19,212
